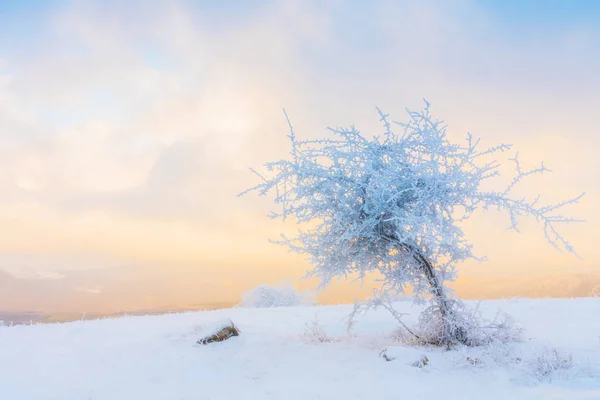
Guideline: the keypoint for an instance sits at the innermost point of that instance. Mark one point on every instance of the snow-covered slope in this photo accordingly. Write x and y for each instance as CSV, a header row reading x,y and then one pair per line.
x,y
300,353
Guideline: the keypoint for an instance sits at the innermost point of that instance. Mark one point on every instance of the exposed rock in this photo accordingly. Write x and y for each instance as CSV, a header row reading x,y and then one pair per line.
x,y
222,332
406,355
421,362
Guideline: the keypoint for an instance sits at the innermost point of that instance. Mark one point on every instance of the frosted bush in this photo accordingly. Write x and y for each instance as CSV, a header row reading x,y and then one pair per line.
x,y
547,363
530,366
266,296
467,325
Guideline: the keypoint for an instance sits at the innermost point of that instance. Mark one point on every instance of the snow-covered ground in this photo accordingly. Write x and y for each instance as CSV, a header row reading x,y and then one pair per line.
x,y
301,353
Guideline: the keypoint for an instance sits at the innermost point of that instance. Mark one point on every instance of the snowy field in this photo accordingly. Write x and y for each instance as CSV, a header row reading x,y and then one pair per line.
x,y
301,353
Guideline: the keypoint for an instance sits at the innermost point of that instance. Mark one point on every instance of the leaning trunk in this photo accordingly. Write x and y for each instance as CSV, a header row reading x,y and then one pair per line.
x,y
451,332
437,290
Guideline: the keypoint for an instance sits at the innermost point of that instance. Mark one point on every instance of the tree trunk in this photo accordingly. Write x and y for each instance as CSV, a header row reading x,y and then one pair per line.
x,y
436,287
437,290
451,331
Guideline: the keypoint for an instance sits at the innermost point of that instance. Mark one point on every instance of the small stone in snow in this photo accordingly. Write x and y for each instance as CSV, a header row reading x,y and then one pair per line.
x,y
225,332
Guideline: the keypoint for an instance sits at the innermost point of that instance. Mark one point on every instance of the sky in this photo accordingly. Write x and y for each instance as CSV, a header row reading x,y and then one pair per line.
x,y
127,128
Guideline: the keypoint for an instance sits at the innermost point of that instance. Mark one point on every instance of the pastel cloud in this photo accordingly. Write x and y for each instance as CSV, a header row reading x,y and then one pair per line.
x,y
126,128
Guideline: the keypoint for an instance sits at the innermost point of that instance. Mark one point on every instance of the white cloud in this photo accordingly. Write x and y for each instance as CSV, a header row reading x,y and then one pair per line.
x,y
28,273
89,290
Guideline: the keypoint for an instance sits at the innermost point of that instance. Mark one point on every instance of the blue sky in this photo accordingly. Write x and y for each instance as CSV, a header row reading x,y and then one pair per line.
x,y
547,15
21,18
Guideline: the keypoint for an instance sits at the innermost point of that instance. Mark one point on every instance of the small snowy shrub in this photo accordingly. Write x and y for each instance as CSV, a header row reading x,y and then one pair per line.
x,y
531,366
315,333
546,363
266,296
467,325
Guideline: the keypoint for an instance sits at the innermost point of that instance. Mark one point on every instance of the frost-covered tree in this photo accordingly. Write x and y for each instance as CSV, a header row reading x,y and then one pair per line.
x,y
395,204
